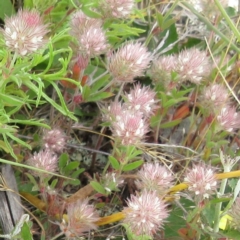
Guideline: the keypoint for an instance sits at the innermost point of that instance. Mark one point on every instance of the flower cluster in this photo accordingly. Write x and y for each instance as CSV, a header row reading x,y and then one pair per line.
x,y
90,36
82,218
128,120
215,96
201,180
193,65
153,176
229,119
145,214
45,160
190,65
24,33
141,99
116,8
130,128
128,62
54,140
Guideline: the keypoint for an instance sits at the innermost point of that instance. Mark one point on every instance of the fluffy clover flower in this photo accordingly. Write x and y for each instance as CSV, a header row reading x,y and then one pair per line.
x,y
215,96
117,8
229,119
162,68
92,42
113,111
89,34
153,176
129,61
130,128
141,99
145,214
82,218
193,65
54,140
79,22
24,32
45,160
201,180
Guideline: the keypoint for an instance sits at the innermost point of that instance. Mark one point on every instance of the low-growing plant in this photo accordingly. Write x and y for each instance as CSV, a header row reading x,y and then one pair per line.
x,y
122,118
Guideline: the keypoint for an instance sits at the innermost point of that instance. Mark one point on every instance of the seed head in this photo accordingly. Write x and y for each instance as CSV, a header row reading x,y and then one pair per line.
x,y
141,99
153,176
193,65
45,160
128,62
130,128
201,180
82,218
145,214
24,32
229,119
54,140
117,8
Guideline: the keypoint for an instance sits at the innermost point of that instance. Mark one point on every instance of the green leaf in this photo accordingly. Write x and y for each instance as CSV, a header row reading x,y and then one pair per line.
x,y
77,173
26,232
100,83
114,162
132,166
173,102
90,13
123,30
86,92
98,96
10,100
6,9
170,124
71,166
63,161
98,187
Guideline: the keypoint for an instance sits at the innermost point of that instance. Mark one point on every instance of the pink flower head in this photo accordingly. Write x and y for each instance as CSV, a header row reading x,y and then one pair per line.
x,y
80,22
129,61
24,32
229,119
54,140
89,34
145,214
201,180
82,218
92,41
117,8
153,176
162,68
114,111
45,160
141,99
130,128
215,96
193,65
